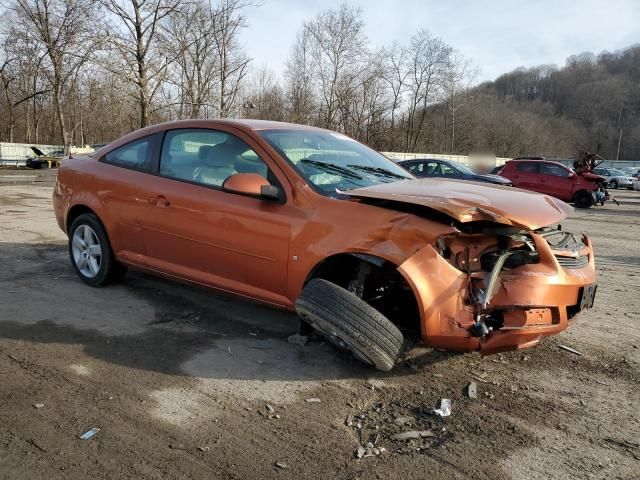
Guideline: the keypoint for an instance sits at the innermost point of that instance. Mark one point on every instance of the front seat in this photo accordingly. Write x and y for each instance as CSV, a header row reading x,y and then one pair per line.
x,y
216,163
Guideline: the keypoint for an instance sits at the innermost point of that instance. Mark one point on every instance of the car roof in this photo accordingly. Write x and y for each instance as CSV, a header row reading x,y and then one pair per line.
x,y
422,160
531,160
247,123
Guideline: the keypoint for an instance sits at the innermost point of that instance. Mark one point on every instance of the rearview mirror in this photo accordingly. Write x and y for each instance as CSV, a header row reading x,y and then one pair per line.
x,y
251,184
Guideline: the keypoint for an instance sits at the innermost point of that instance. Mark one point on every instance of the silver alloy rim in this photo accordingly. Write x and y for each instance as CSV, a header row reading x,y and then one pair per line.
x,y
87,252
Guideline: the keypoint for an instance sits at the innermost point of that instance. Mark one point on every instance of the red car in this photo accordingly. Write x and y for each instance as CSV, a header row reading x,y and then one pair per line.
x,y
553,179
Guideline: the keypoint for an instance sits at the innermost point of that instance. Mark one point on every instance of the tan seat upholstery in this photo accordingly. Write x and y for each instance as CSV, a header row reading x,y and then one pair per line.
x,y
216,164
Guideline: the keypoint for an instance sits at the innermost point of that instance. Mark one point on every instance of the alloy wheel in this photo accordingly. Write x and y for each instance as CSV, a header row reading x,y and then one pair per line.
x,y
87,251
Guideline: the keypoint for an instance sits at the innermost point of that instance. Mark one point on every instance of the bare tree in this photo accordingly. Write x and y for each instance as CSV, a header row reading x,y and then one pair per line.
x,y
232,61
395,74
427,57
134,38
338,53
298,76
264,97
189,37
63,30
457,76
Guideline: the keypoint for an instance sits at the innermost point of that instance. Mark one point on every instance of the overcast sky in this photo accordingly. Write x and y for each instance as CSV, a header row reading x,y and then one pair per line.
x,y
498,35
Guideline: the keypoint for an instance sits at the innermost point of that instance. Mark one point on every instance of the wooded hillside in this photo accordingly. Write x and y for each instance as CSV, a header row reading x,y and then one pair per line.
x,y
84,72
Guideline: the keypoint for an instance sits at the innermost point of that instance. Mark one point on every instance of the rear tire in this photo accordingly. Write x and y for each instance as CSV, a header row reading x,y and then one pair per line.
x,y
90,252
350,323
583,199
613,184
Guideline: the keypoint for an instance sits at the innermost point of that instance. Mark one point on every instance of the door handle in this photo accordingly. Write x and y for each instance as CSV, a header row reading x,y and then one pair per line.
x,y
159,201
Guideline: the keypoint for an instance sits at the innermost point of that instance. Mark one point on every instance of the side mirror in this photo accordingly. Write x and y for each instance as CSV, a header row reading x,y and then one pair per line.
x,y
251,184
571,175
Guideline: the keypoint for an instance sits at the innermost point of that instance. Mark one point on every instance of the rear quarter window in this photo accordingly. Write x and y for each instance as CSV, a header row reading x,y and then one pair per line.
x,y
137,155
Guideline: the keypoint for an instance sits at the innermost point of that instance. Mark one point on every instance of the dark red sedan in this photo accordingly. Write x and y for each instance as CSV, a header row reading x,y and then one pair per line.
x,y
551,178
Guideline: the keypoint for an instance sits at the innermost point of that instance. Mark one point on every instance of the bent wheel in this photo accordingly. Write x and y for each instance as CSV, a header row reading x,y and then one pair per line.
x,y
350,324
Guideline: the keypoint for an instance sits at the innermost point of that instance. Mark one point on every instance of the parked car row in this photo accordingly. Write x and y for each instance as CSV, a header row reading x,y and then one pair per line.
x,y
552,178
632,172
532,173
615,178
428,167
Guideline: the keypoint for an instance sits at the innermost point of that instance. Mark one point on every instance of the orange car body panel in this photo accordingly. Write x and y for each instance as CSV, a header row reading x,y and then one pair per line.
x,y
266,250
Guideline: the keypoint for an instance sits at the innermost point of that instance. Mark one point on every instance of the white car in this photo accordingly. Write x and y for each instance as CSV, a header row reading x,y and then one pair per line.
x,y
636,185
615,178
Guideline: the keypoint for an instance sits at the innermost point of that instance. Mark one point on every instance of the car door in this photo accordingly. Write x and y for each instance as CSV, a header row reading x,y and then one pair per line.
x,y
526,175
197,231
125,172
556,181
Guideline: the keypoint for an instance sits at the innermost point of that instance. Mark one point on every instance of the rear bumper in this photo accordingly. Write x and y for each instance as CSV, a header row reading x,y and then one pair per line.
x,y
531,302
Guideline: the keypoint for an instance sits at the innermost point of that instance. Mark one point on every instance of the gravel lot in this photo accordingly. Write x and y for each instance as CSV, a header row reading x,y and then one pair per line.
x,y
185,383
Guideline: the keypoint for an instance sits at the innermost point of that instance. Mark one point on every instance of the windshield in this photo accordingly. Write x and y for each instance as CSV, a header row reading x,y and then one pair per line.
x,y
462,168
618,173
332,161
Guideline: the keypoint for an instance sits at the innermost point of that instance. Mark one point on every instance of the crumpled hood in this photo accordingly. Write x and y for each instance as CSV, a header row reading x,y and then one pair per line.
x,y
467,201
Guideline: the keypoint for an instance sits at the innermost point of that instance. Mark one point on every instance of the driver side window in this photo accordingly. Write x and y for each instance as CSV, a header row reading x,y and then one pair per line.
x,y
207,157
553,170
447,170
433,169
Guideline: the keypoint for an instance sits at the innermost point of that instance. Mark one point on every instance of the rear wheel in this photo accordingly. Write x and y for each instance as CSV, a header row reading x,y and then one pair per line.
x,y
350,323
583,199
613,184
90,252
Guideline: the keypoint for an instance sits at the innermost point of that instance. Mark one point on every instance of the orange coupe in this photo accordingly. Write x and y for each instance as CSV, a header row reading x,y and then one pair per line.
x,y
308,219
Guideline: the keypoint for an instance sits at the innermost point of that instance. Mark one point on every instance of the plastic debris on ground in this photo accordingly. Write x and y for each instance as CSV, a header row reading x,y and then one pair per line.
x,y
445,408
89,433
472,390
571,350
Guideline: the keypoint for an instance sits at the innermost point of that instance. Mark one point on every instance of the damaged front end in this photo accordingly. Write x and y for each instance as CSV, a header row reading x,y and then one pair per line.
x,y
492,287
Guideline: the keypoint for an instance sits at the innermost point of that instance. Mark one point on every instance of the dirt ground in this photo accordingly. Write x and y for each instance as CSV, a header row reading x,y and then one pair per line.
x,y
185,383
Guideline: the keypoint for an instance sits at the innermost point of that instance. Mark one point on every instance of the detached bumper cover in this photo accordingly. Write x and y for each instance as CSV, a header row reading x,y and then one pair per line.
x,y
531,301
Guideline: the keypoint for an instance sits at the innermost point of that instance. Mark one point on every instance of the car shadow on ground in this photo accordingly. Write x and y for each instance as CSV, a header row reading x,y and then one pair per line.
x,y
162,326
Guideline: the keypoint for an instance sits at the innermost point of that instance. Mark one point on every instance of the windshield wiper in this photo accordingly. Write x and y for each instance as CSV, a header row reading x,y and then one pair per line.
x,y
332,168
378,171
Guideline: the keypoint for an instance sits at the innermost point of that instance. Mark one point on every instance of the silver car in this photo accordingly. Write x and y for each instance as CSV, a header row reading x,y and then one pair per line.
x,y
615,178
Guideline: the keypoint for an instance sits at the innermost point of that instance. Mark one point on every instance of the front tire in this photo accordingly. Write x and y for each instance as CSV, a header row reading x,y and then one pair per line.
x,y
583,199
90,252
350,323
